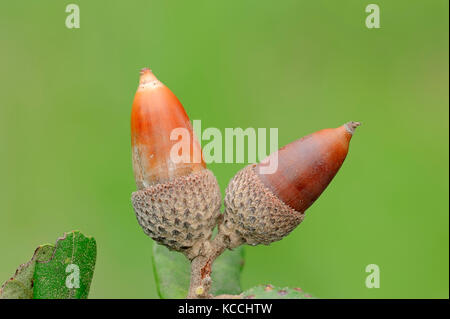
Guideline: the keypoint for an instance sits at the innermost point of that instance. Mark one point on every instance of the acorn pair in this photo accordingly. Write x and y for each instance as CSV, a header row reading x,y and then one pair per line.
x,y
178,199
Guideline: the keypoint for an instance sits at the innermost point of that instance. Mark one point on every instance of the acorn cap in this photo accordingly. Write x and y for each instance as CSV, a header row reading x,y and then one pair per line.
x,y
180,213
253,213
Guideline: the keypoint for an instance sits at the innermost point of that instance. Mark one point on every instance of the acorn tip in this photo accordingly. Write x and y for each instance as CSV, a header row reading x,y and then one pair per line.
x,y
146,75
351,126
145,70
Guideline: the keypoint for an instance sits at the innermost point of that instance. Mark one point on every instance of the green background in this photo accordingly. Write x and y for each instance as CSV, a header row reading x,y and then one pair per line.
x,y
299,66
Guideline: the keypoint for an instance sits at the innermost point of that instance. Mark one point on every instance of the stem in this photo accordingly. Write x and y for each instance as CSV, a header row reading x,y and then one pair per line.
x,y
201,267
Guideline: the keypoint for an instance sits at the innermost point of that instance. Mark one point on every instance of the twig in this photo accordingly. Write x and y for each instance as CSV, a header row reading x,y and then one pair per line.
x,y
201,267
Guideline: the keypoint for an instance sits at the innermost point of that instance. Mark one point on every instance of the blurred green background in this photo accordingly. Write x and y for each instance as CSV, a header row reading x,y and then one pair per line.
x,y
299,66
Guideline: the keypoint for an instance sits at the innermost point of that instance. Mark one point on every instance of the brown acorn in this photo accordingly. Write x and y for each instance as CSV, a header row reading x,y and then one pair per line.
x,y
178,199
263,208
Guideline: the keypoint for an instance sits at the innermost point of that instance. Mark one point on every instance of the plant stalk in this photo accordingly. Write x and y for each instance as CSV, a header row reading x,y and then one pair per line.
x,y
201,267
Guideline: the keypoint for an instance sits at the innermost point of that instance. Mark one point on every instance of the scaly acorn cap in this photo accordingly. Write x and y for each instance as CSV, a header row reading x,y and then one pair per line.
x,y
178,199
263,208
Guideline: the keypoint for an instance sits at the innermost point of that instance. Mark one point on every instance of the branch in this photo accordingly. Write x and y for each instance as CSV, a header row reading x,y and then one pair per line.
x,y
201,267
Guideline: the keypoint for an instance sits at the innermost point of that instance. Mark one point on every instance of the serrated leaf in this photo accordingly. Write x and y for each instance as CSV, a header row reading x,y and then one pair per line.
x,y
272,292
172,272
68,273
20,286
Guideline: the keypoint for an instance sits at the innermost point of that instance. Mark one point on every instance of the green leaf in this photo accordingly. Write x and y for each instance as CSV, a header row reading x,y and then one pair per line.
x,y
271,292
226,272
68,273
44,276
20,286
172,272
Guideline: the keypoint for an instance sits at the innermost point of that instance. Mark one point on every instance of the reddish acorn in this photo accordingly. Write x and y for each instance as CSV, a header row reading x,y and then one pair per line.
x,y
156,113
178,198
263,208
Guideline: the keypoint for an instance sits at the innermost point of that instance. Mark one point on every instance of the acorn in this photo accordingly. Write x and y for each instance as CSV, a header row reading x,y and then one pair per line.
x,y
261,208
178,199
